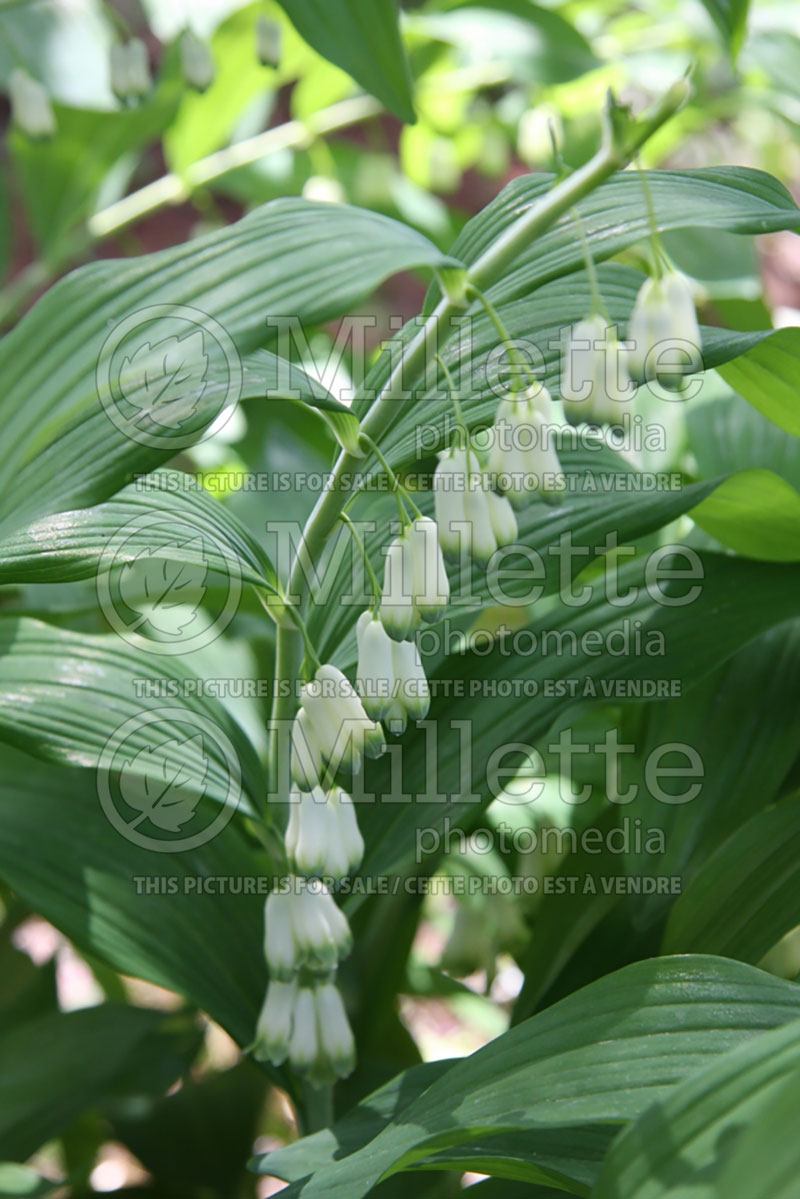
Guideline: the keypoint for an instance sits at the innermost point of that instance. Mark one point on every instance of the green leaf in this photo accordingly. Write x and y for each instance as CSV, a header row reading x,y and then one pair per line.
x,y
738,600
730,17
690,1141
21,1182
188,921
166,515
736,199
602,1055
363,38
767,378
54,1067
746,896
756,513
766,1161
290,257
94,701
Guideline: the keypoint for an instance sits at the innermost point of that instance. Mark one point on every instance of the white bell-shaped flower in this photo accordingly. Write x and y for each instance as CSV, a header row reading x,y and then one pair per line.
x,y
431,587
275,1023
197,62
130,69
502,519
322,836
522,457
304,1041
374,673
449,484
336,1041
341,727
595,383
31,109
399,614
303,928
308,764
411,683
663,332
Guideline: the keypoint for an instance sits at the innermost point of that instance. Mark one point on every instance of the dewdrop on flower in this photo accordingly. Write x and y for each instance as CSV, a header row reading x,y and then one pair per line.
x,y
31,109
303,929
594,373
664,332
322,836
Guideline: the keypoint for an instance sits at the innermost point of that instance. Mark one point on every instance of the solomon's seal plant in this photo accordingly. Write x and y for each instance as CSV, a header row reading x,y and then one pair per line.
x,y
424,719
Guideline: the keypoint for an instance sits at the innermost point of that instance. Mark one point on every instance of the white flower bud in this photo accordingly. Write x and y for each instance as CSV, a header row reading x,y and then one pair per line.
x,y
542,459
449,481
502,518
268,42
399,614
308,765
130,69
594,373
481,541
303,928
374,678
431,586
274,1028
31,109
197,63
322,836
349,833
279,944
304,1042
335,1035
512,437
664,332
411,681
338,719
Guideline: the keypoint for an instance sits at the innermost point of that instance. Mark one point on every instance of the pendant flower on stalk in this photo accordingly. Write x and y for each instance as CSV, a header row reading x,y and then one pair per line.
x,y
663,331
331,730
390,677
31,109
308,1026
130,69
468,514
304,929
522,457
415,585
595,382
322,836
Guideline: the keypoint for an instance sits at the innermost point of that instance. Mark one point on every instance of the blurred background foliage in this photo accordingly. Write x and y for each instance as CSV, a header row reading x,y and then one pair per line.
x,y
149,1097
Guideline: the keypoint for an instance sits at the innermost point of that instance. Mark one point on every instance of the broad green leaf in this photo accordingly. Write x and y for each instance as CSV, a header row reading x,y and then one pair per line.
x,y
741,723
730,17
736,199
767,378
52,1068
188,921
602,1055
166,515
738,600
746,896
199,308
94,701
766,1160
22,1182
684,1142
756,513
363,38
728,434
